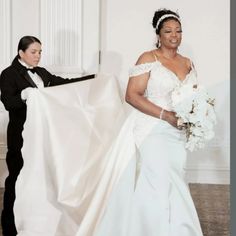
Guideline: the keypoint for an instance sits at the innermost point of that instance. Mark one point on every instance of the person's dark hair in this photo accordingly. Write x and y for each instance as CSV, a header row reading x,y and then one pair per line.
x,y
25,42
158,14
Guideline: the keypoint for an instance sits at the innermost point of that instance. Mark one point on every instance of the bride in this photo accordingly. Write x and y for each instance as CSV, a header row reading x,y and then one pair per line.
x,y
136,186
161,204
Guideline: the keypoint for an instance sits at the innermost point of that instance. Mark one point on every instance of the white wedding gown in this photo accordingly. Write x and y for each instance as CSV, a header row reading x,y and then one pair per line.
x,y
159,203
99,174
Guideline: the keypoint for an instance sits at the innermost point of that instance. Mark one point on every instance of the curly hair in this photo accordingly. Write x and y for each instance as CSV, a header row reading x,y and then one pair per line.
x,y
157,16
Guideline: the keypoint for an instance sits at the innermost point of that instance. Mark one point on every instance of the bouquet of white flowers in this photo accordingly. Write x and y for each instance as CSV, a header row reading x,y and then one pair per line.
x,y
195,109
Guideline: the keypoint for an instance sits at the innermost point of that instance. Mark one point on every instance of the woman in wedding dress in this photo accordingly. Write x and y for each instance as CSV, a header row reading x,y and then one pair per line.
x,y
160,203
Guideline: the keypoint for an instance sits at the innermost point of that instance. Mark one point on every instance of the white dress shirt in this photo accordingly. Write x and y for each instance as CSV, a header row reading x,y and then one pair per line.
x,y
34,76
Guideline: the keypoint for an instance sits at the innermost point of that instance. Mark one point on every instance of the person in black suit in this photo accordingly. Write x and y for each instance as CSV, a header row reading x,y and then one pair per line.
x,y
23,74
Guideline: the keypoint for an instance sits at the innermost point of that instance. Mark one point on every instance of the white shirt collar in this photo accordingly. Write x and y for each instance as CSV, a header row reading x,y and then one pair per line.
x,y
24,64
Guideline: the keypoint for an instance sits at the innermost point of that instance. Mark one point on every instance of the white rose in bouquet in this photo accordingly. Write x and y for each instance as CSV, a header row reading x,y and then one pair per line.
x,y
195,108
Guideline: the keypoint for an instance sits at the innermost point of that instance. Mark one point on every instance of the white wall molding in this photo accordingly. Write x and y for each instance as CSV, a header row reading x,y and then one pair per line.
x,y
209,165
91,35
3,150
61,30
69,31
193,175
208,174
5,26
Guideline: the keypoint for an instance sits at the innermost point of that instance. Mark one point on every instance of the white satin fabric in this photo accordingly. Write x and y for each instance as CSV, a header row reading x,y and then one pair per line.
x,y
77,141
89,171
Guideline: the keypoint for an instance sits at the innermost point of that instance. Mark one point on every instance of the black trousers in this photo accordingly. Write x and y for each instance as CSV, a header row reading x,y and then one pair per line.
x,y
14,164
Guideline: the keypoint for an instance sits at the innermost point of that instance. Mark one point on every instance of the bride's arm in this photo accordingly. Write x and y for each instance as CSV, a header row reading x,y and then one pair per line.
x,y
135,96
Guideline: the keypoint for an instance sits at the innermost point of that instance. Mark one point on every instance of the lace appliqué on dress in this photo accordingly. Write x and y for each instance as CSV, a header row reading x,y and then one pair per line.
x,y
140,69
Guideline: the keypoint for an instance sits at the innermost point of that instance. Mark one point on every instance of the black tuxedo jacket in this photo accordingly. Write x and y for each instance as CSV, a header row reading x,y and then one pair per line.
x,y
13,80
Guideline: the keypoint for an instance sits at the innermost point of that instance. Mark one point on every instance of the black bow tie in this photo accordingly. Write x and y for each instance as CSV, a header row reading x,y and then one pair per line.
x,y
31,70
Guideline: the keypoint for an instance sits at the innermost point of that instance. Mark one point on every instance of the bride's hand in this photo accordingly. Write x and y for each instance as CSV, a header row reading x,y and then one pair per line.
x,y
171,118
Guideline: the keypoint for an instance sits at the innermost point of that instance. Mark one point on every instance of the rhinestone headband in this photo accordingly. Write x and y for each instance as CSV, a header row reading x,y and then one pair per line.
x,y
166,16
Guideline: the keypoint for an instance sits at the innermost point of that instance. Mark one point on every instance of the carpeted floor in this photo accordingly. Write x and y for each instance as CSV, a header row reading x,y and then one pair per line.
x,y
213,207
212,203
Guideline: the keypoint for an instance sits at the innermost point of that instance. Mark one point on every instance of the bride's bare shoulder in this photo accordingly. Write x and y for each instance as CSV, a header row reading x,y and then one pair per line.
x,y
145,57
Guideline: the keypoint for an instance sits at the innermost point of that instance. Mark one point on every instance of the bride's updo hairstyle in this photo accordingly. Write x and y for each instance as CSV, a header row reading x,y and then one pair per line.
x,y
161,16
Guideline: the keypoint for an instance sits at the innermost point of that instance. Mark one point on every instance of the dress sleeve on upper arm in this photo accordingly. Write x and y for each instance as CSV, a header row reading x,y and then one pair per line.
x,y
140,69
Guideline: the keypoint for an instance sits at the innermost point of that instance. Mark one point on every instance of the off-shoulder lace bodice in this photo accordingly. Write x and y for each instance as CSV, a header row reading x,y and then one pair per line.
x,y
161,82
